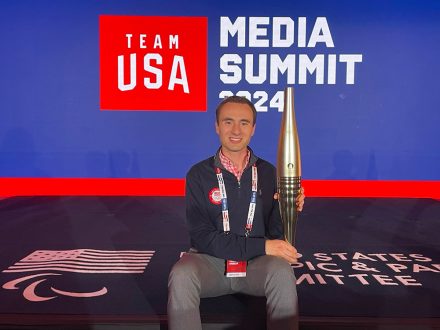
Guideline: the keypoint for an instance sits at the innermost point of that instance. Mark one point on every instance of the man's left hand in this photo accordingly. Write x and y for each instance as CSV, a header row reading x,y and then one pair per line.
x,y
299,199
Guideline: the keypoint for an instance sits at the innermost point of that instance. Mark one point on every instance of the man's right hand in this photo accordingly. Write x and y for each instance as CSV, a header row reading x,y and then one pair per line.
x,y
283,249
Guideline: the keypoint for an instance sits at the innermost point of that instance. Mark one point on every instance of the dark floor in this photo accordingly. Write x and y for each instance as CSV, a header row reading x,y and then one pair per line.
x,y
366,264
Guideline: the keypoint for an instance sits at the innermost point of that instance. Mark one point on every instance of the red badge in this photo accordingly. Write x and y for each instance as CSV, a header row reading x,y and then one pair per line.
x,y
235,268
215,196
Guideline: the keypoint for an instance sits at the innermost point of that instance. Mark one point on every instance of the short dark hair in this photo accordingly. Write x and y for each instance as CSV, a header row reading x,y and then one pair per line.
x,y
236,99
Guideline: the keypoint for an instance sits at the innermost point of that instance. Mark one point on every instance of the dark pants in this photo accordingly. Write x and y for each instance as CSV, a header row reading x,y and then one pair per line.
x,y
198,275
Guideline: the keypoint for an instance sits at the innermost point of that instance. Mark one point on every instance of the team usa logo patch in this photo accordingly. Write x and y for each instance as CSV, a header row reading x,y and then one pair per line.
x,y
154,63
215,196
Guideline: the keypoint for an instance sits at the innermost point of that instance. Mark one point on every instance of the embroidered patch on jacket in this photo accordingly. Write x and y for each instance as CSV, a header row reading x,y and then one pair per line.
x,y
215,196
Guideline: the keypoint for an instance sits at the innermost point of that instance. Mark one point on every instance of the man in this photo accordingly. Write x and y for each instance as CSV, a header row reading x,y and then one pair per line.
x,y
236,233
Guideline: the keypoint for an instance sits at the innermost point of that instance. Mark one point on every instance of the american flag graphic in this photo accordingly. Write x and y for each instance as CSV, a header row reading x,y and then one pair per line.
x,y
83,261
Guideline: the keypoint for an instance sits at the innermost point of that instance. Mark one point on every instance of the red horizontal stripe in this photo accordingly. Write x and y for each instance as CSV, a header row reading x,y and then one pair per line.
x,y
102,260
74,266
118,252
97,252
176,187
91,187
363,188
62,269
99,263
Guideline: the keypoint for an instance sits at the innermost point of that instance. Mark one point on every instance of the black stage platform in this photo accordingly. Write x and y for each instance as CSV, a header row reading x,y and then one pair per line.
x,y
103,263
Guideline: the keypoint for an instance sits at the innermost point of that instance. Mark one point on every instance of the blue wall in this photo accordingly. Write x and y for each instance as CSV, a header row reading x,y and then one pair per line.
x,y
384,126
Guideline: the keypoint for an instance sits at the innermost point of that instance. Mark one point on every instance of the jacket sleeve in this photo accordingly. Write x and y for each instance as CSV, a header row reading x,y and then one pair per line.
x,y
274,228
274,224
205,237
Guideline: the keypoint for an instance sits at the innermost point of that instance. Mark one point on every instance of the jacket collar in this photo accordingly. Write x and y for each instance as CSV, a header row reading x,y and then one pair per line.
x,y
217,163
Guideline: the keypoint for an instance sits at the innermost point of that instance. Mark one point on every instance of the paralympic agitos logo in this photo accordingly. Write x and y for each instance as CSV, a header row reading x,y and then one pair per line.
x,y
153,63
41,267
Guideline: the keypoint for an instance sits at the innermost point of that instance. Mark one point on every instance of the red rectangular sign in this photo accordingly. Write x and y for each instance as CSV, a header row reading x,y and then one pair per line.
x,y
153,63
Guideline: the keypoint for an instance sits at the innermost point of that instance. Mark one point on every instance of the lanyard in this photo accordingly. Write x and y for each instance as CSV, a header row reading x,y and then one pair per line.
x,y
252,204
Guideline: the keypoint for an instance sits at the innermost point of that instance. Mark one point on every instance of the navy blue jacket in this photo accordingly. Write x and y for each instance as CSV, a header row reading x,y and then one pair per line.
x,y
204,215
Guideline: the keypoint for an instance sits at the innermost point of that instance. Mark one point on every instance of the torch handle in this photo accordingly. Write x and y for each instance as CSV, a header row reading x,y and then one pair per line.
x,y
288,191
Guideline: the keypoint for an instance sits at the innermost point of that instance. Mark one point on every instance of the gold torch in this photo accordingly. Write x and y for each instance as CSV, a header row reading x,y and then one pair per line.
x,y
288,167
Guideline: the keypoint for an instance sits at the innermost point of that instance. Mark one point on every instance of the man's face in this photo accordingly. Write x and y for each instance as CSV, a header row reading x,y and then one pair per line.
x,y
235,126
